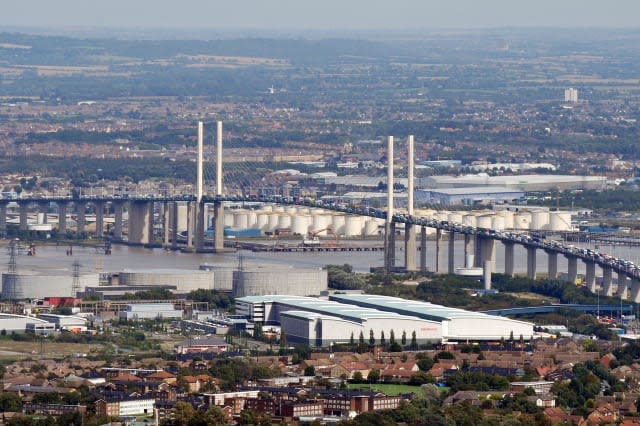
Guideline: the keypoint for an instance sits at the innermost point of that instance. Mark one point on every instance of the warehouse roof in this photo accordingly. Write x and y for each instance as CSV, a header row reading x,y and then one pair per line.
x,y
475,190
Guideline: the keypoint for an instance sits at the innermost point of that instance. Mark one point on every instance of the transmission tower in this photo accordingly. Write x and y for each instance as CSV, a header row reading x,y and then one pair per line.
x,y
75,286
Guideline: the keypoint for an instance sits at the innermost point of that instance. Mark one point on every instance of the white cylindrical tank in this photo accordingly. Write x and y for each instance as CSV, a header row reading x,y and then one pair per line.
x,y
560,221
252,219
353,226
522,220
291,209
228,219
267,208
303,210
278,209
370,228
454,217
273,222
508,219
539,220
300,224
497,223
182,217
284,221
263,221
40,218
338,222
484,221
240,219
469,220
320,221
442,216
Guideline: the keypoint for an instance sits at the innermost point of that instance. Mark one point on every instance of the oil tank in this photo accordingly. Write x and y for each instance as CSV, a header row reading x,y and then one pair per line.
x,y
320,221
252,219
267,208
353,226
300,224
469,220
240,219
182,217
442,216
338,222
303,210
272,225
286,281
497,223
522,220
291,210
508,219
222,276
370,228
278,209
284,221
228,218
35,286
484,221
539,220
560,221
263,221
454,217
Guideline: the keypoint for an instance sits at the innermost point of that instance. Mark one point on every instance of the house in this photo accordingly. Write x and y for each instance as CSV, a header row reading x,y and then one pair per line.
x,y
309,408
557,415
543,400
129,406
603,414
162,376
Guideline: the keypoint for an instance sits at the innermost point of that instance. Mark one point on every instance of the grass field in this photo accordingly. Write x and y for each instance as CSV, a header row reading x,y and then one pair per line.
x,y
386,388
12,349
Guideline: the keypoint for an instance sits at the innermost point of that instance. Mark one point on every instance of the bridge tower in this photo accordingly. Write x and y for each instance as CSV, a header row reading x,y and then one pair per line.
x,y
389,234
409,229
199,210
218,206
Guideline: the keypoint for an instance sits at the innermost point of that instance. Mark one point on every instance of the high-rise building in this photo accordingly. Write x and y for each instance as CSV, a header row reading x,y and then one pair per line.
x,y
571,95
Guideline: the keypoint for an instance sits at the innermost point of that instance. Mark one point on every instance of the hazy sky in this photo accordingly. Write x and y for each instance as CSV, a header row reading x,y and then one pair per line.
x,y
320,14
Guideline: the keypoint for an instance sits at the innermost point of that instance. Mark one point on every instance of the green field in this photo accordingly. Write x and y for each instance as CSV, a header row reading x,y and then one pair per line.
x,y
386,388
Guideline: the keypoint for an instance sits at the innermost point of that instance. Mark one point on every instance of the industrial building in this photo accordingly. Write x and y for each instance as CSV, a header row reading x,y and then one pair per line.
x,y
36,286
321,322
10,323
468,196
257,281
66,322
526,183
143,311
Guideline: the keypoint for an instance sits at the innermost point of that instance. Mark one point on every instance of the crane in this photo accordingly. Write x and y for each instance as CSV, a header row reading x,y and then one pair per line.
x,y
312,239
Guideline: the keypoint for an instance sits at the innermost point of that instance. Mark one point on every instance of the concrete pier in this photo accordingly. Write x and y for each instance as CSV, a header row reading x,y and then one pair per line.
x,y
3,217
99,206
62,218
635,290
590,276
437,255
552,264
531,263
572,269
118,208
24,206
410,248
451,256
622,285
200,217
509,249
174,225
423,249
218,227
140,222
81,217
607,281
467,243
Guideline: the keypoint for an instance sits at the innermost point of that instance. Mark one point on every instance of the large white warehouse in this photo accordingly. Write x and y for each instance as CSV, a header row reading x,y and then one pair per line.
x,y
457,324
320,322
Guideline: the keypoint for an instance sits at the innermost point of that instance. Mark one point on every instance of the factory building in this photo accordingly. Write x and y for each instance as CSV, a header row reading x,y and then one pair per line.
x,y
10,323
457,324
66,322
468,196
258,281
143,311
321,322
526,183
35,286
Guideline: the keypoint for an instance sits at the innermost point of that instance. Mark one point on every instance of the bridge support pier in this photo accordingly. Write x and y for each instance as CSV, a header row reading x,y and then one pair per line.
x,y
509,249
174,225
389,242
423,249
590,276
23,215
218,227
118,207
99,205
607,280
552,264
635,290
190,224
166,223
531,263
622,285
487,252
81,217
3,217
438,238
572,269
140,222
410,247
199,223
452,253
487,267
43,208
467,243
62,218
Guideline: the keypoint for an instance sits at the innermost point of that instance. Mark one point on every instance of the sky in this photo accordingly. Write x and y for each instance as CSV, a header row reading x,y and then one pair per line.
x,y
320,14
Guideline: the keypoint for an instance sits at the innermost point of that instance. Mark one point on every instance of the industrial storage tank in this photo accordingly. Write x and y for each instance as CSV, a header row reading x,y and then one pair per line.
x,y
442,216
370,228
303,210
484,221
229,218
454,218
222,276
338,221
184,279
560,221
252,219
272,225
539,220
320,221
469,220
497,223
182,217
508,219
291,210
278,209
267,208
300,225
353,226
522,220
258,281
240,219
284,221
35,286
263,221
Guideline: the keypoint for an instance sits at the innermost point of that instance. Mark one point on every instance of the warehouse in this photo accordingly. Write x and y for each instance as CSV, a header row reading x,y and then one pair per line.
x,y
10,323
152,311
527,183
457,324
468,196
321,322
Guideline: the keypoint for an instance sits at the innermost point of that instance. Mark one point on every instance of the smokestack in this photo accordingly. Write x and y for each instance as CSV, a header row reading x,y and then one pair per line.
x,y
389,179
200,168
410,176
219,159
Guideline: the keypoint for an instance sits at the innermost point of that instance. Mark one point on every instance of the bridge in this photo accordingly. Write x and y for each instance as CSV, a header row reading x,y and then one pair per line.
x,y
481,240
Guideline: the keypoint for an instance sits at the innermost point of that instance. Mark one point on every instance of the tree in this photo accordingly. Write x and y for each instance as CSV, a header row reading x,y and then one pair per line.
x,y
184,413
357,377
10,402
414,340
352,341
310,371
403,339
382,340
372,339
392,337
374,376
